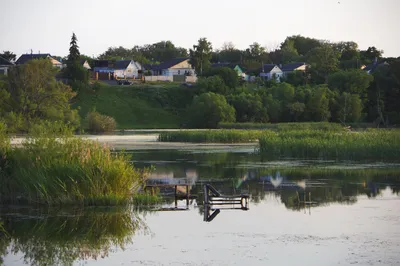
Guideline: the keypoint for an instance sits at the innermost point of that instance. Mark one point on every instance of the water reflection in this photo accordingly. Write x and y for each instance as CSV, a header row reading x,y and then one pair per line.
x,y
60,238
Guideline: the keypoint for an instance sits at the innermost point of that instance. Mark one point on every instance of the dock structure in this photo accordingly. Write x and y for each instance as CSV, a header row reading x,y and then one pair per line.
x,y
215,198
179,183
215,201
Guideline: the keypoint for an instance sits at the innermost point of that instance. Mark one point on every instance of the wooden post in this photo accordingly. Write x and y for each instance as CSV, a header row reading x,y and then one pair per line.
x,y
187,195
176,196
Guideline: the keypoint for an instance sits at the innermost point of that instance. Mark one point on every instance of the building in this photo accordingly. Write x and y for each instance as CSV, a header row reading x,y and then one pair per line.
x,y
85,64
372,67
270,71
298,66
127,69
27,57
173,67
4,66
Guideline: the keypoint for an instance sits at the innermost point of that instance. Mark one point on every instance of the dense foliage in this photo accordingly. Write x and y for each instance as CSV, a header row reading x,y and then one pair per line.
x,y
31,94
209,109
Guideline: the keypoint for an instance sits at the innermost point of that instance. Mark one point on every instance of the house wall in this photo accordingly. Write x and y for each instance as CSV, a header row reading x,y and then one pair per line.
x,y
131,71
86,65
177,71
3,70
159,78
275,71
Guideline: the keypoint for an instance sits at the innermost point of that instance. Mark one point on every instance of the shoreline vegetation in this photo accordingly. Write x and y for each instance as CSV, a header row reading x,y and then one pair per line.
x,y
54,168
334,143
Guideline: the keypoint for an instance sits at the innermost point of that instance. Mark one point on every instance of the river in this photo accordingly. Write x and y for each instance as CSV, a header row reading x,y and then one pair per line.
x,y
300,213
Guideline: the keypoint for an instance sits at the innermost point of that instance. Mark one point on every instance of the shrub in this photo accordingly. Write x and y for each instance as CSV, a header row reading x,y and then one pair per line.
x,y
99,123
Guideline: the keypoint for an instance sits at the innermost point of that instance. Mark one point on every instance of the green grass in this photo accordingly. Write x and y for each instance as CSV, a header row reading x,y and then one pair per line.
x,y
138,106
211,136
67,170
317,144
284,126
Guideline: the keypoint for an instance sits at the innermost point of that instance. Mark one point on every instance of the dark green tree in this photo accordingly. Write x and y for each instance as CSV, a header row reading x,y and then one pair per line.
x,y
74,54
208,110
324,60
228,75
31,94
74,71
10,56
248,107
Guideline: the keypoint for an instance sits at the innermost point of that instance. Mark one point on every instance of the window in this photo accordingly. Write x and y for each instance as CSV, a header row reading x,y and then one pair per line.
x,y
179,72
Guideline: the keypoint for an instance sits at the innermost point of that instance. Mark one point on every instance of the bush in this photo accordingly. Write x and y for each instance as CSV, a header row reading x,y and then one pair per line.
x,y
99,123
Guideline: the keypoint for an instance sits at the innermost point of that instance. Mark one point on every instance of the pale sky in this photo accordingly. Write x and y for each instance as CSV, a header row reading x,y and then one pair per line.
x,y
47,25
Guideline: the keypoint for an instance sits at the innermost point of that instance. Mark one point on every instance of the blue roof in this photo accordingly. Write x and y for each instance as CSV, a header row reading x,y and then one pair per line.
x,y
292,66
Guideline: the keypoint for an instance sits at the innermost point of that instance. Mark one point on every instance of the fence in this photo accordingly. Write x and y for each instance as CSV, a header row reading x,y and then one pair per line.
x,y
159,78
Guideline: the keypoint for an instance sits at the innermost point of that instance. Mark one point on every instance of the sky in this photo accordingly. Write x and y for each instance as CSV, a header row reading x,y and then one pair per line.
x,y
47,25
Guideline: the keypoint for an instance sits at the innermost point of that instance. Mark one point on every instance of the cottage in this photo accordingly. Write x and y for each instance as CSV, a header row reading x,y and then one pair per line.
x,y
4,66
372,67
173,67
270,71
298,66
127,69
27,57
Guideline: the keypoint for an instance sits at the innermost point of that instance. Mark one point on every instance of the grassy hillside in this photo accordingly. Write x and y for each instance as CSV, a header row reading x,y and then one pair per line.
x,y
138,106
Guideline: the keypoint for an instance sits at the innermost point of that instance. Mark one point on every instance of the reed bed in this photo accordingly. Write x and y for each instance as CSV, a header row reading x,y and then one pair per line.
x,y
67,170
211,136
318,144
284,126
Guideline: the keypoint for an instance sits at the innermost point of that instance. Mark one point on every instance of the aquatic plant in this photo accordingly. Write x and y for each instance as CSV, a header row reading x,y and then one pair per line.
x,y
67,170
318,144
211,136
284,126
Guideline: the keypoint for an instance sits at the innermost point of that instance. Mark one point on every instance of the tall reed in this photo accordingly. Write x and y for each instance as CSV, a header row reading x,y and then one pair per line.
x,y
284,126
211,136
67,170
371,144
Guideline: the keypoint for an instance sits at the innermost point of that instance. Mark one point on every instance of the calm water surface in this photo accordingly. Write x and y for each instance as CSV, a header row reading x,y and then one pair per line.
x,y
351,217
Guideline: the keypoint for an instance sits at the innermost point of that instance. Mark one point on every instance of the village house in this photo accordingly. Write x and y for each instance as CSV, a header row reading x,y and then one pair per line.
x,y
372,67
127,69
4,66
173,67
292,67
270,71
27,57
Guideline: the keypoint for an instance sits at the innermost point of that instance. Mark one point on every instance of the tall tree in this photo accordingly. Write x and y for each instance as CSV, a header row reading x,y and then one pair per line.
x,y
31,94
200,55
324,61
371,54
303,45
75,71
74,54
10,56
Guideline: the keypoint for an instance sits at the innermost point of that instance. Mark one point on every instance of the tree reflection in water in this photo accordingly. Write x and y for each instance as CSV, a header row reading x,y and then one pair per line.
x,y
63,237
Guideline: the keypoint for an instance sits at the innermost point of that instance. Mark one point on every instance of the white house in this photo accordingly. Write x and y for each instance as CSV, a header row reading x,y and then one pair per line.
x,y
27,57
174,67
4,66
269,71
127,69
